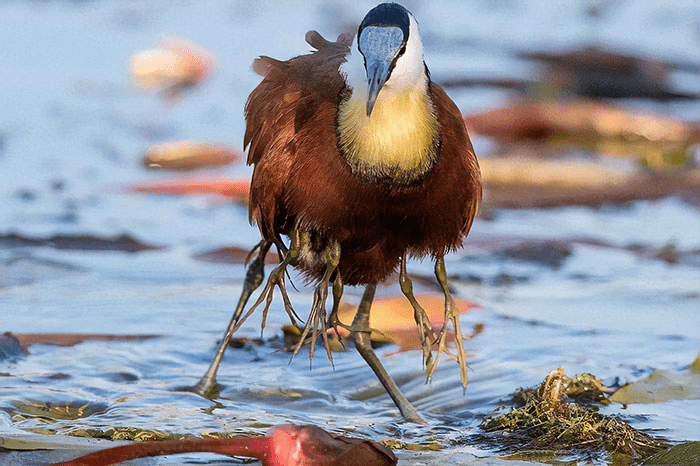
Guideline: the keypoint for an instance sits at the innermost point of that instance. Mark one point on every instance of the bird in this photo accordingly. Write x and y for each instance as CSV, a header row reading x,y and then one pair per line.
x,y
360,161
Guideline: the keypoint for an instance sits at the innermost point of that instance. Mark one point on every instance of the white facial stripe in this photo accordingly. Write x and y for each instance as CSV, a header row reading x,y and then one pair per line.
x,y
409,69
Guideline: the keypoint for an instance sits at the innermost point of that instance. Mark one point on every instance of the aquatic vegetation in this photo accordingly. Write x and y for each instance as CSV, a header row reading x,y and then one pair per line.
x,y
547,420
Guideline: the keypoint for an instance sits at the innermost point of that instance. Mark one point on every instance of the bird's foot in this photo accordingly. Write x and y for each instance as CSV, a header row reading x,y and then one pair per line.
x,y
317,322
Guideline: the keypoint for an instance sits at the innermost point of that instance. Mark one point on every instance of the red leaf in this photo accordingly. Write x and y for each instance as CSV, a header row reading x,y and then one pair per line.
x,y
234,188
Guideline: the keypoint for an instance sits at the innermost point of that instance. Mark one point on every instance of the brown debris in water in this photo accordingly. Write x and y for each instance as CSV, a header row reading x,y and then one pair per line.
x,y
10,346
548,421
127,433
233,255
72,339
124,243
227,187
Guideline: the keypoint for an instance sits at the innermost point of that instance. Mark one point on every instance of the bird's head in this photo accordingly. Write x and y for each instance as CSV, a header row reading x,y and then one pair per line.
x,y
386,55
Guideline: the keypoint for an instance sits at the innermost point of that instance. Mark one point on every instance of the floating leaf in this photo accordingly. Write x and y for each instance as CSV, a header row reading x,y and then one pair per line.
x,y
124,243
188,155
517,182
51,412
684,453
603,127
235,188
396,314
661,386
176,66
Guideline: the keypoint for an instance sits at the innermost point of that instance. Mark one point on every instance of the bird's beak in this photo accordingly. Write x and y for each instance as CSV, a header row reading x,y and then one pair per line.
x,y
377,74
379,45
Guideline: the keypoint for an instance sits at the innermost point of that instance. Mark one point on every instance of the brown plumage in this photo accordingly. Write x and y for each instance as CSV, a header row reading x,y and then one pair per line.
x,y
302,180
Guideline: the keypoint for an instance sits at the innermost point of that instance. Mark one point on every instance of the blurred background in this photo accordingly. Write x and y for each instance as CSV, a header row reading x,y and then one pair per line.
x,y
122,212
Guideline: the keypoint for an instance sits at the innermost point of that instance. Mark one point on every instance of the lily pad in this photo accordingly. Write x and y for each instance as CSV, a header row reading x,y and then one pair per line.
x,y
51,412
685,453
661,386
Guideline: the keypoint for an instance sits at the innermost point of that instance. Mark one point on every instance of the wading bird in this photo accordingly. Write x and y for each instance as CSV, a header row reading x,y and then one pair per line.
x,y
361,161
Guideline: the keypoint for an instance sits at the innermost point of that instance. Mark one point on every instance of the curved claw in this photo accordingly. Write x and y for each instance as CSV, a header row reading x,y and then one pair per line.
x,y
317,314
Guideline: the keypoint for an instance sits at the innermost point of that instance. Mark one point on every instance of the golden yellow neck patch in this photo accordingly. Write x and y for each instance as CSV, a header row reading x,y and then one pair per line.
x,y
398,140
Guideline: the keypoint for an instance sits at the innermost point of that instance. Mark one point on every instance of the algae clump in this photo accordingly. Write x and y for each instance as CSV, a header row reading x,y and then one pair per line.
x,y
547,420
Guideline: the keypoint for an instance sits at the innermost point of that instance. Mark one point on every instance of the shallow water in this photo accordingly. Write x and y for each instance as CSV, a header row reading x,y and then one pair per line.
x,y
72,135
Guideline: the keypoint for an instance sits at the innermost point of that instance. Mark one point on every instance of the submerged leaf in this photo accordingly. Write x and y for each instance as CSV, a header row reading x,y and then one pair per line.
x,y
396,314
49,412
392,319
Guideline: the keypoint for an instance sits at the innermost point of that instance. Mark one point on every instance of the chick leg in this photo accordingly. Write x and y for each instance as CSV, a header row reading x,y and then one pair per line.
x,y
207,385
451,315
317,317
276,278
361,335
425,329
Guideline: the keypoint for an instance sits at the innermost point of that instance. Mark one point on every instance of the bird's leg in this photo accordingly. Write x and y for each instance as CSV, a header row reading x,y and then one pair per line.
x,y
361,334
425,329
276,278
254,276
451,314
317,318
